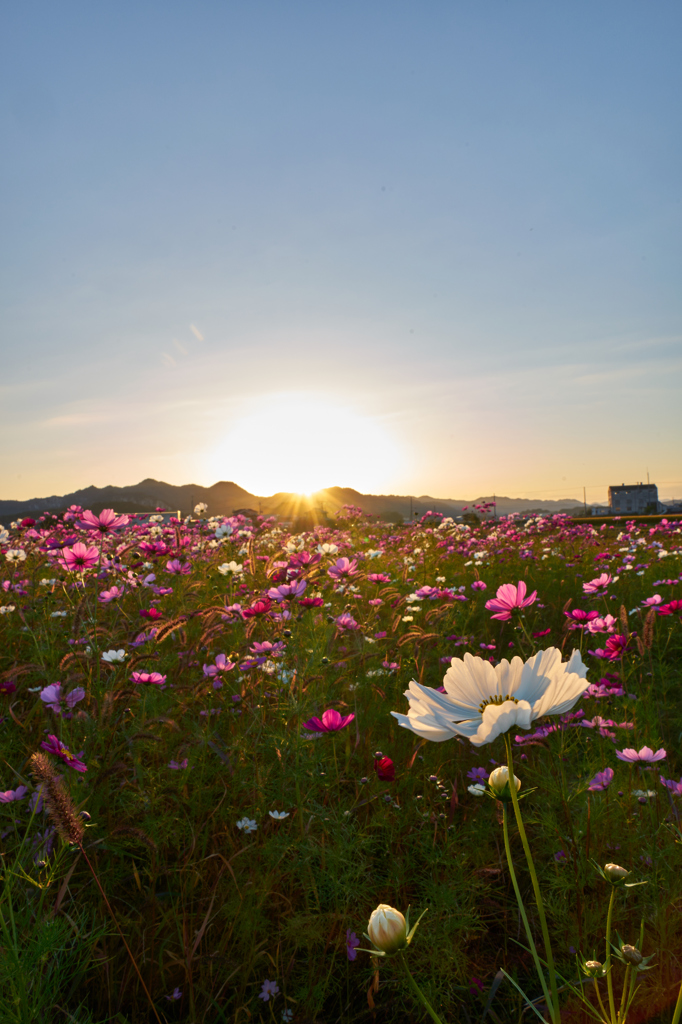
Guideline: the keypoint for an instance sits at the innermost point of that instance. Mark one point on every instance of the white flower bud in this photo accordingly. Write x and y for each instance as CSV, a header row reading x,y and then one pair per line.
x,y
387,929
615,873
498,780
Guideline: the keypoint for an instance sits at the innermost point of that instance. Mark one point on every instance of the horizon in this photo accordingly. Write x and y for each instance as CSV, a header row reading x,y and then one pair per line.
x,y
485,496
423,252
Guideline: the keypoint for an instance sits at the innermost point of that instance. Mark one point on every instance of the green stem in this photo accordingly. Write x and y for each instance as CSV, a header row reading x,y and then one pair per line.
x,y
522,909
607,962
623,997
420,995
601,1005
554,1004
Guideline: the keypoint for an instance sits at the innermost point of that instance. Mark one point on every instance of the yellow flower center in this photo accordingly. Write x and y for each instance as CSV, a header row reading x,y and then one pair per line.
x,y
496,700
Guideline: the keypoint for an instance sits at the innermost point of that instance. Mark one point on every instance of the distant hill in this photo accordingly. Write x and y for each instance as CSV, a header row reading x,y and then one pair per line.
x,y
225,497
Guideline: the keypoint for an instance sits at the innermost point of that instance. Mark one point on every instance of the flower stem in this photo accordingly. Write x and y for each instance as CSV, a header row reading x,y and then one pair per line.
x,y
601,1005
522,909
554,1002
678,1008
607,962
419,994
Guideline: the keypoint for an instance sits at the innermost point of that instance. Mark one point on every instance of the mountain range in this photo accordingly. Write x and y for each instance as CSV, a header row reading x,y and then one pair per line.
x,y
226,497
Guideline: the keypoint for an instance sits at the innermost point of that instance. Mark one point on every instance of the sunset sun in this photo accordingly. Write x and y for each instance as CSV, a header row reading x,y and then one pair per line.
x,y
301,442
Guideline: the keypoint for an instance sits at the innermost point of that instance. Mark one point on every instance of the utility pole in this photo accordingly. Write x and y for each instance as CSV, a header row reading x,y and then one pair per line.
x,y
585,500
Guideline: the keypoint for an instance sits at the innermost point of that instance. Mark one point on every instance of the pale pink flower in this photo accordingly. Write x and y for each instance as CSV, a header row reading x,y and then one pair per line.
x,y
342,568
645,755
53,697
111,595
178,567
508,598
598,584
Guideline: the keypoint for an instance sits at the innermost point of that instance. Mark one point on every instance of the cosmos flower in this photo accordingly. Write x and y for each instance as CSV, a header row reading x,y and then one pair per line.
x,y
53,697
385,769
331,721
247,825
278,815
153,678
270,988
53,745
601,781
481,702
79,557
645,755
352,943
597,585
508,598
104,523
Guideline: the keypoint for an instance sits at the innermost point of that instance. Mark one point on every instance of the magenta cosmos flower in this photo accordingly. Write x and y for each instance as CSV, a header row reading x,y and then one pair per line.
x,y
154,678
79,557
508,598
342,567
331,721
104,523
601,781
646,755
53,745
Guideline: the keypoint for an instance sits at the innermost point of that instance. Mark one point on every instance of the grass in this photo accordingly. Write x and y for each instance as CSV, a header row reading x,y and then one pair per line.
x,y
211,911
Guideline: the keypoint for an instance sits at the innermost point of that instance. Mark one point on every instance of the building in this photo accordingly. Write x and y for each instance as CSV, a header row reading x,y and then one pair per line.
x,y
638,499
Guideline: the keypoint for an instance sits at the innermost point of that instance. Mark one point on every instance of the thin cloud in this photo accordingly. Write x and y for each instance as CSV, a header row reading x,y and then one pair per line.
x,y
196,332
168,360
181,348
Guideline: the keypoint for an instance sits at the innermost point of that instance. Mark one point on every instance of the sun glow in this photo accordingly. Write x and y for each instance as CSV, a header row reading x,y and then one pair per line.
x,y
301,442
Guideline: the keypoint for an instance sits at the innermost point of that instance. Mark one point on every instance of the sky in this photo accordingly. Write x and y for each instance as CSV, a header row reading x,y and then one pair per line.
x,y
407,247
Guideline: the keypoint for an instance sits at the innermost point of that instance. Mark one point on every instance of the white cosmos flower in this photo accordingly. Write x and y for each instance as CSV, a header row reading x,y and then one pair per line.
x,y
279,815
480,701
115,657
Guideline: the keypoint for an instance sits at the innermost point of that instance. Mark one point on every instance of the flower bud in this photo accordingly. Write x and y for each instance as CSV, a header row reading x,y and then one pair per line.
x,y
387,929
498,780
615,873
631,954
593,968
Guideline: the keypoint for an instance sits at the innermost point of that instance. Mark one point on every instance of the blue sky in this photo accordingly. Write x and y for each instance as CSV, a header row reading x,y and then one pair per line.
x,y
408,247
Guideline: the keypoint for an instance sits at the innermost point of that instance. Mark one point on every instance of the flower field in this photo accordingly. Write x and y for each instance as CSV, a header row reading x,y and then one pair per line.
x,y
225,745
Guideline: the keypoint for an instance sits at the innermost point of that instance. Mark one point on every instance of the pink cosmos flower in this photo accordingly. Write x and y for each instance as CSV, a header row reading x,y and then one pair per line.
x,y
311,602
598,584
601,781
53,697
646,755
178,567
287,590
79,557
479,585
13,794
607,624
331,721
269,649
378,577
154,678
508,598
105,523
111,595
346,621
616,647
53,745
221,665
177,766
260,607
671,608
342,568
579,618
651,601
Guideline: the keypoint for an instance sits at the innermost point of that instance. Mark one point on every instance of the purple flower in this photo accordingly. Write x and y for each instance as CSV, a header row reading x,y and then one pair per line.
x,y
175,766
601,781
13,794
352,943
478,774
270,988
346,621
674,787
178,567
331,721
175,994
221,665
646,754
287,590
54,699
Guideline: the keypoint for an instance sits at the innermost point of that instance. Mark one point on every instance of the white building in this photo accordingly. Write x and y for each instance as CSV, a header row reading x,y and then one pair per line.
x,y
635,498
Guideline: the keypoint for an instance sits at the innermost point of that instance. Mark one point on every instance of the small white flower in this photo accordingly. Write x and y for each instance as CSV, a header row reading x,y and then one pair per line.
x,y
247,825
374,554
47,583
4,535
5,609
408,618
230,569
58,615
478,789
19,555
115,657
200,508
278,815
327,549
